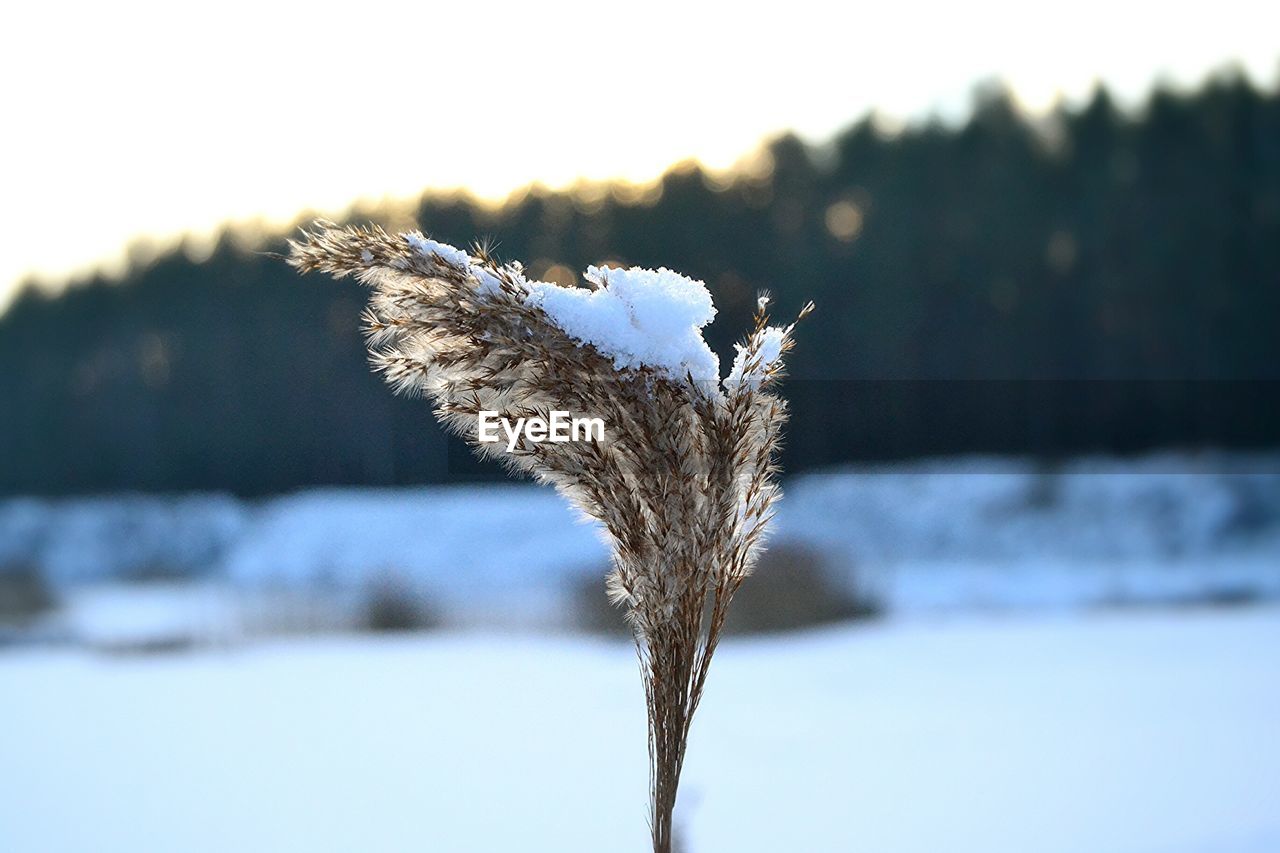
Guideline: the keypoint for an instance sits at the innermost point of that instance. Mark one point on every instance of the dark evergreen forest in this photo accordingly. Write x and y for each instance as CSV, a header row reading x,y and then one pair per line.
x,y
1096,281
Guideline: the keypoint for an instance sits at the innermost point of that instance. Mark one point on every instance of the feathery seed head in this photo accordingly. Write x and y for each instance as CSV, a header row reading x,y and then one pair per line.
x,y
683,483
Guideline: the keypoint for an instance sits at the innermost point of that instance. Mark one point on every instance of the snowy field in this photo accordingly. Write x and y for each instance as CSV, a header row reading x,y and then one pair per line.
x,y
1077,657
933,536
1134,730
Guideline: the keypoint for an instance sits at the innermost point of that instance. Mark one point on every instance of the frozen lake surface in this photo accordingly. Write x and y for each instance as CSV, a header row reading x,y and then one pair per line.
x,y
1130,730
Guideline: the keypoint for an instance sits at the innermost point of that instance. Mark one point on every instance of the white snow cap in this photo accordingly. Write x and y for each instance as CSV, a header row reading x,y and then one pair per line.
x,y
637,317
428,247
487,281
770,348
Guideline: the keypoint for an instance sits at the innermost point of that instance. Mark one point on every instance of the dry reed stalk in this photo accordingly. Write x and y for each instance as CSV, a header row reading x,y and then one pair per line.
x,y
683,483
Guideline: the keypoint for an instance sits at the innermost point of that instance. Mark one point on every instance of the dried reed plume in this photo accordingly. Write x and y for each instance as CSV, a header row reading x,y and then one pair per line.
x,y
683,483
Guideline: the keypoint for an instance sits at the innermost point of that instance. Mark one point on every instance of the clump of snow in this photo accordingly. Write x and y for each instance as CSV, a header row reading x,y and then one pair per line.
x,y
428,248
486,282
638,317
760,361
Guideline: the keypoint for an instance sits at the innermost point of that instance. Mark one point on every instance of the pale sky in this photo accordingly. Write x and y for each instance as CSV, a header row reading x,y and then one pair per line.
x,y
134,118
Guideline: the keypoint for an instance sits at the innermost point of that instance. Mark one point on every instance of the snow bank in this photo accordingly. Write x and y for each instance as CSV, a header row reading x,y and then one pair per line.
x,y
463,546
941,534
137,617
997,510
121,535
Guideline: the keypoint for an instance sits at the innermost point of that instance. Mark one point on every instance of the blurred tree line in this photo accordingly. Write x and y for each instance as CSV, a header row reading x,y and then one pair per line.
x,y
1096,280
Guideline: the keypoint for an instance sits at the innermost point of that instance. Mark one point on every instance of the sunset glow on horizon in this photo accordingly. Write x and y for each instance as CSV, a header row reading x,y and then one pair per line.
x,y
137,120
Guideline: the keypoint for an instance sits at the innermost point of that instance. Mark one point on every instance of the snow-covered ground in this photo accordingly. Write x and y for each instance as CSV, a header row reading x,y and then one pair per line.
x,y
1137,731
941,534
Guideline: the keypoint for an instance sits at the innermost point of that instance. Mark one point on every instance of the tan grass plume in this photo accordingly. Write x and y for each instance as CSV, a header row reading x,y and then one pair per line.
x,y
683,484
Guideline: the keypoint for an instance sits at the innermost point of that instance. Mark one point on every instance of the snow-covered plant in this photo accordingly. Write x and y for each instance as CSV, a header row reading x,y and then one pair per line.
x,y
685,478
